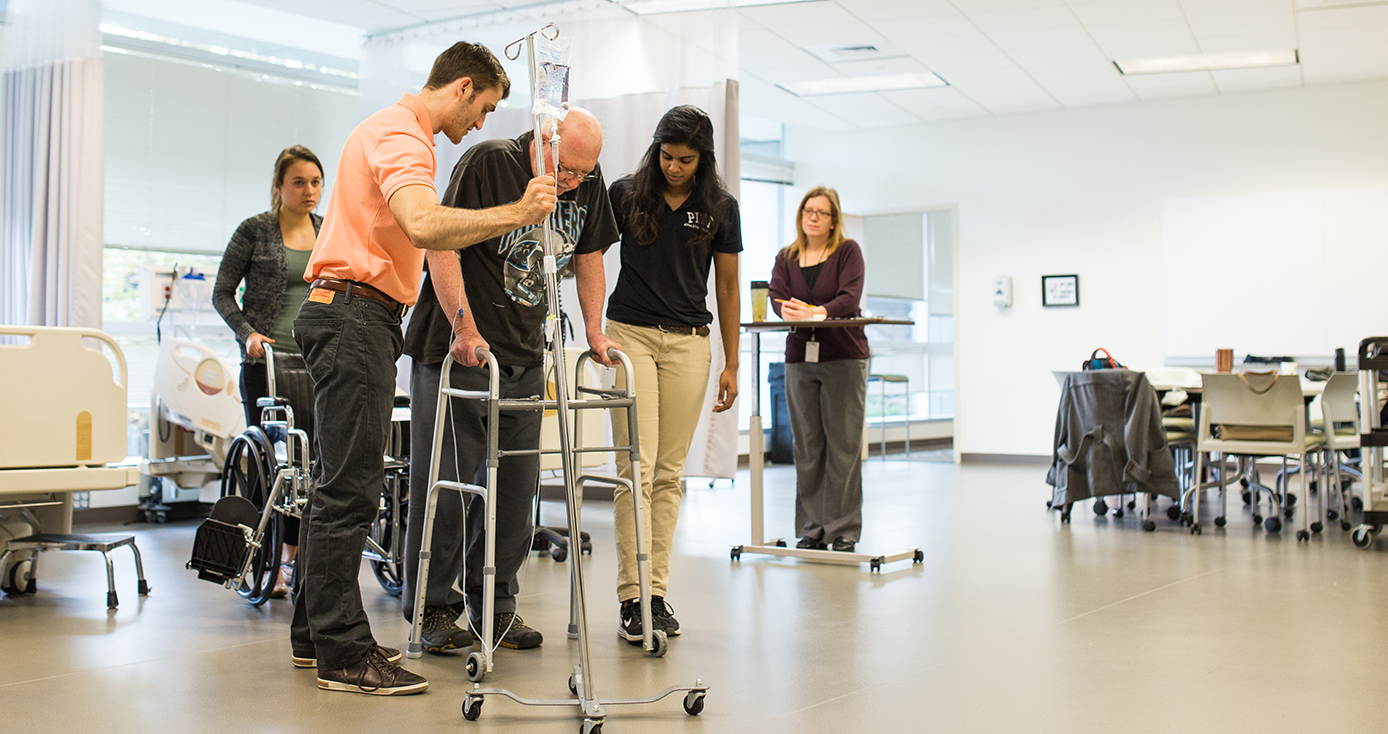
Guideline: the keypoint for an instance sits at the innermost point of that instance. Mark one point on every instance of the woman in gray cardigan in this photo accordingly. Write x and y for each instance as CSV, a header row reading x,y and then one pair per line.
x,y
270,252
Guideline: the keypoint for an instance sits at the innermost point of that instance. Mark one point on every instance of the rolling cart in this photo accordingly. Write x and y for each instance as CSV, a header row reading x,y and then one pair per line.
x,y
1373,437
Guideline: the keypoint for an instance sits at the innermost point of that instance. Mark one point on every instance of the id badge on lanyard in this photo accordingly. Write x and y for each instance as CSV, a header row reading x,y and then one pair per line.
x,y
812,350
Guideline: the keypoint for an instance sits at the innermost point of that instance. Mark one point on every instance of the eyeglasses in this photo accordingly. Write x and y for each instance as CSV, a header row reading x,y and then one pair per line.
x,y
816,214
572,174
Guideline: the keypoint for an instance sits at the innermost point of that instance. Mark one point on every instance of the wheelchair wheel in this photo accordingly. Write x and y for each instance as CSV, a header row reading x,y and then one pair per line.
x,y
390,536
248,473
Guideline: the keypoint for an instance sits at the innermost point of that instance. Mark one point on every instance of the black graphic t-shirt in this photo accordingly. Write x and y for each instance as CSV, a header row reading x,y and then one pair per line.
x,y
504,276
665,283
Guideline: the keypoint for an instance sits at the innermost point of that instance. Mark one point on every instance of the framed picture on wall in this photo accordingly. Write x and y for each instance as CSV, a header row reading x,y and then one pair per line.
x,y
1060,290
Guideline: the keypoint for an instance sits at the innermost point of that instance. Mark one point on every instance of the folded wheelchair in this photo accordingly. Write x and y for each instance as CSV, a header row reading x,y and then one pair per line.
x,y
265,480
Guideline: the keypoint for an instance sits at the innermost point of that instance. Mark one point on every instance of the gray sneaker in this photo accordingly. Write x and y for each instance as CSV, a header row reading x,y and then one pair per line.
x,y
441,631
374,676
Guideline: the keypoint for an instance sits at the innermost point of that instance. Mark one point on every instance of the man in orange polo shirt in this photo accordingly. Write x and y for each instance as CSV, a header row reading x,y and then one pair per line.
x,y
365,271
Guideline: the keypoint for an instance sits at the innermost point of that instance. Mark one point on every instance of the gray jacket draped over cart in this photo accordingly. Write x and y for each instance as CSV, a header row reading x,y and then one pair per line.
x,y
1109,439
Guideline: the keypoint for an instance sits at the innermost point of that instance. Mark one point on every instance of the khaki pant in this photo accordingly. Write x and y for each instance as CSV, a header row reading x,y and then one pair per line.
x,y
671,380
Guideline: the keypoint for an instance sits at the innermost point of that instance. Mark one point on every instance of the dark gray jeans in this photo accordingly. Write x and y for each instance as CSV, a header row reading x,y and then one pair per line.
x,y
350,347
827,409
517,480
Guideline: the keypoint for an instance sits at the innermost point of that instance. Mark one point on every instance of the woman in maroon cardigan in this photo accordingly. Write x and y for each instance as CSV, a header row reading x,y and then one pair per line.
x,y
820,275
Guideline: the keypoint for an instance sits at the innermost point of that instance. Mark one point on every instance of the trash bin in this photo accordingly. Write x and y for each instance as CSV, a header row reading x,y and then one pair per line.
x,y
781,435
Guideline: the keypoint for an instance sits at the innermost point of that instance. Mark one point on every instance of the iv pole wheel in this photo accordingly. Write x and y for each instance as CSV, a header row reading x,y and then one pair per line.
x,y
476,668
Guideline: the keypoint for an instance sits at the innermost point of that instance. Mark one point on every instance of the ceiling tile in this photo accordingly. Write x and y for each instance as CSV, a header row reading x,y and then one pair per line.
x,y
1082,94
1049,76
1165,86
975,44
877,10
934,105
866,110
1230,25
970,80
877,67
1353,17
1161,32
975,6
1108,12
813,24
968,63
1253,42
760,98
1050,38
942,26
1242,80
1217,8
1063,56
1026,19
1143,49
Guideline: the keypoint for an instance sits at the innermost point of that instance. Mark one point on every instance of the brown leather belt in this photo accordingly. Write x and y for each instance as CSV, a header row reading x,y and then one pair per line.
x,y
690,330
353,288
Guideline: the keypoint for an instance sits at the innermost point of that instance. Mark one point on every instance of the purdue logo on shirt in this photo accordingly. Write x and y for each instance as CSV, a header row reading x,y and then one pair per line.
x,y
698,220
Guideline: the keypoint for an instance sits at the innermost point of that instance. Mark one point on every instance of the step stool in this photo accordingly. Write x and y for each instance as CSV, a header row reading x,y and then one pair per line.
x,y
54,541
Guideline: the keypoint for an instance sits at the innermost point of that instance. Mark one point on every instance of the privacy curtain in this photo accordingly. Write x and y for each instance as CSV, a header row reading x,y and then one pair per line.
x,y
51,165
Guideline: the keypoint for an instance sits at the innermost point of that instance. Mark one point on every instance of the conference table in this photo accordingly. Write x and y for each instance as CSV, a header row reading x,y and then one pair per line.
x,y
759,543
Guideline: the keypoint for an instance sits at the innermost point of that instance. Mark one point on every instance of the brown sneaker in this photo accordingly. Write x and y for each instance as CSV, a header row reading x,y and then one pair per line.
x,y
308,661
374,676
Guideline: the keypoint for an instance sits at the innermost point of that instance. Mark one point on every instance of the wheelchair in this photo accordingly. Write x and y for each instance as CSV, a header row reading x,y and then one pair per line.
x,y
265,479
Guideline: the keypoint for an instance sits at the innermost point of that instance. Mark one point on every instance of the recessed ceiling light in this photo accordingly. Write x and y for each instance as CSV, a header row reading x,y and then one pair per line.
x,y
851,84
1207,62
653,7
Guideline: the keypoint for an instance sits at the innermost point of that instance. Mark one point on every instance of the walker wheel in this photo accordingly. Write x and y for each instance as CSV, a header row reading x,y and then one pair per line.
x,y
918,556
1132,504
660,644
1291,500
1118,512
591,726
476,667
472,708
1245,494
736,553
1289,512
573,688
1148,525
1362,537
694,703
559,553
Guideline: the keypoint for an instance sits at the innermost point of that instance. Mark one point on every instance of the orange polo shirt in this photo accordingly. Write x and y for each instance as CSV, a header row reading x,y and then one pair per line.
x,y
360,239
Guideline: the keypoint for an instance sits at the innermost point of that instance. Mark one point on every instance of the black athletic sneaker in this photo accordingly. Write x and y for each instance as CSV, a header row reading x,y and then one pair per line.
x,y
663,616
441,631
629,628
514,634
374,676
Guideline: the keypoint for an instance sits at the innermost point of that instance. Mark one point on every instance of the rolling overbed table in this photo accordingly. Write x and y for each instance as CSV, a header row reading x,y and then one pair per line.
x,y
778,546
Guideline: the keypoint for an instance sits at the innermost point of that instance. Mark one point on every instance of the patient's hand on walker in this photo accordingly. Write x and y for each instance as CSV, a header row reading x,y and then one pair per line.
x,y
255,344
464,347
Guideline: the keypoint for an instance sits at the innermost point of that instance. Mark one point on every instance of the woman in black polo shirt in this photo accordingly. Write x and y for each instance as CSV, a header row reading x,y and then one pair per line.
x,y
270,252
676,220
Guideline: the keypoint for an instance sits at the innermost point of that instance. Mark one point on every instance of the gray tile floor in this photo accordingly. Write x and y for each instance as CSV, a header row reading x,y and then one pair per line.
x,y
1013,623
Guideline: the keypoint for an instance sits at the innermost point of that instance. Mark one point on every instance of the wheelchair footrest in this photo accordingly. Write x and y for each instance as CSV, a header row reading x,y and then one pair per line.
x,y
219,550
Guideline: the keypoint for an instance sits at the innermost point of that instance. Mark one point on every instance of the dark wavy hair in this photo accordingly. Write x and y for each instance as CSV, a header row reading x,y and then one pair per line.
x,y
683,125
286,158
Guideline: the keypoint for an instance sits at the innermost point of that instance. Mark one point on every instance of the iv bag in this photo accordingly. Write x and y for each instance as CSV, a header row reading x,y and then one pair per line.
x,y
551,77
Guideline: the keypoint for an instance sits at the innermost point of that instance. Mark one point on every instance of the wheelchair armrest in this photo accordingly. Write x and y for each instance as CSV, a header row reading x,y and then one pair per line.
x,y
271,402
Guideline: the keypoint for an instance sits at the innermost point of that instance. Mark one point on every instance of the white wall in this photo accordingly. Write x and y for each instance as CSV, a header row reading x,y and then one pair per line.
x,y
1081,191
